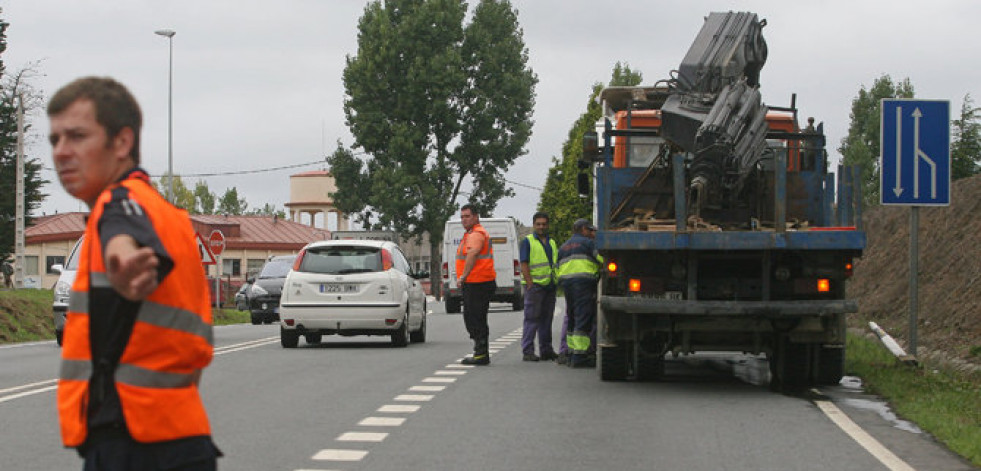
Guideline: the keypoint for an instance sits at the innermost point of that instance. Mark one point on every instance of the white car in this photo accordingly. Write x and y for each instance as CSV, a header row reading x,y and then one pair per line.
x,y
63,289
352,287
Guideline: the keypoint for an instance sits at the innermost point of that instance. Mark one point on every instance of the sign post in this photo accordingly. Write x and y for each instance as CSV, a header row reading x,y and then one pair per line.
x,y
915,171
216,242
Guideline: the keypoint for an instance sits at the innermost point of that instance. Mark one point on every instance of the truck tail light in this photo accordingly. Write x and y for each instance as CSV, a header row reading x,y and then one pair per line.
x,y
446,271
823,285
517,268
611,268
634,285
299,260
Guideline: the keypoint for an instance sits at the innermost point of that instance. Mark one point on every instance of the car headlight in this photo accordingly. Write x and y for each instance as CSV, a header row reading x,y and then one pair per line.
x,y
258,290
62,289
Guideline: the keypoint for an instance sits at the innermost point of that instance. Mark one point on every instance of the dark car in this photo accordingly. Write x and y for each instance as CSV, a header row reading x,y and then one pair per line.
x,y
267,288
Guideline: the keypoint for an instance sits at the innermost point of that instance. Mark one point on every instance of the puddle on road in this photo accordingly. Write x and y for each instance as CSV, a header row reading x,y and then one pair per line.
x,y
853,384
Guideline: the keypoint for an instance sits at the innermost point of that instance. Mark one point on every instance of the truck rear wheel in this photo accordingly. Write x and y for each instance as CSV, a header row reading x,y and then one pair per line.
x,y
452,305
612,362
831,364
790,367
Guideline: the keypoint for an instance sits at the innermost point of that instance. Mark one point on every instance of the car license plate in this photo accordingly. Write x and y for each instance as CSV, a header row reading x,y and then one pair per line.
x,y
338,288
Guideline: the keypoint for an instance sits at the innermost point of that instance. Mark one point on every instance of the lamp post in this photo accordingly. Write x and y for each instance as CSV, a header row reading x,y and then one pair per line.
x,y
170,111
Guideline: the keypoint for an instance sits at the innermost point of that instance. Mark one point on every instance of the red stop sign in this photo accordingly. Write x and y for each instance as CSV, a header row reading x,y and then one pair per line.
x,y
216,242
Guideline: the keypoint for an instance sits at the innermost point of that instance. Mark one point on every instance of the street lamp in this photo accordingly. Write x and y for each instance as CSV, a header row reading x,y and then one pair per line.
x,y
170,111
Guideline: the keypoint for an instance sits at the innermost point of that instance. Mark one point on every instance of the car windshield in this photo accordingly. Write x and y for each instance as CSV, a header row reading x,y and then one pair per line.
x,y
72,263
341,259
275,269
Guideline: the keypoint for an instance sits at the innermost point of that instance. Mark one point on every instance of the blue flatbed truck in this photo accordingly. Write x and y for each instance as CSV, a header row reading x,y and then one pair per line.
x,y
754,260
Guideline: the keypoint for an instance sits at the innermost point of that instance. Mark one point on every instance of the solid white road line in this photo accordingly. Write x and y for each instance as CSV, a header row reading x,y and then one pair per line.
x,y
414,397
27,393
382,421
26,386
880,452
396,408
331,454
245,345
362,437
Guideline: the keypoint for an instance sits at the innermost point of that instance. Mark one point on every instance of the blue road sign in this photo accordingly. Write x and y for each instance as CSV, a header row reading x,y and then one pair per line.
x,y
915,143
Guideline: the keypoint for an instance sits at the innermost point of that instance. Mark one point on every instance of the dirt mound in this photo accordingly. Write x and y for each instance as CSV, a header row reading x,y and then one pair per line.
x,y
949,319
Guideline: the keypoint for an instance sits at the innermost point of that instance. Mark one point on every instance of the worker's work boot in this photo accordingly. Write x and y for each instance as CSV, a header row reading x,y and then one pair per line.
x,y
482,359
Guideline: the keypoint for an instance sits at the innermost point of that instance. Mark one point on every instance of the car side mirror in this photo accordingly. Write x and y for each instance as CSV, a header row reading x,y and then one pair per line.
x,y
57,268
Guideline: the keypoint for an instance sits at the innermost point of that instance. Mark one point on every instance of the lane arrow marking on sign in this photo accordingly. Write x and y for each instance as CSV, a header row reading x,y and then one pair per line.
x,y
898,190
922,155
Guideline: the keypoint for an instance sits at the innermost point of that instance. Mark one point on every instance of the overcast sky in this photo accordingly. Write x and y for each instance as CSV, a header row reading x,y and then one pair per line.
x,y
257,84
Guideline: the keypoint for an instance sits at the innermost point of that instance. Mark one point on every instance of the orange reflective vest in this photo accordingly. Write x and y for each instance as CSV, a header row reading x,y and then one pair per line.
x,y
171,341
483,267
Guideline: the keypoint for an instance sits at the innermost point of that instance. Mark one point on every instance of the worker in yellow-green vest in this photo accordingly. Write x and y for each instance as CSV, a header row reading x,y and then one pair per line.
x,y
537,254
578,273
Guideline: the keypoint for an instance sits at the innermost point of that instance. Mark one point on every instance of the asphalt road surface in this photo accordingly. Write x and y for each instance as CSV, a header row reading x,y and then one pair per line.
x,y
356,403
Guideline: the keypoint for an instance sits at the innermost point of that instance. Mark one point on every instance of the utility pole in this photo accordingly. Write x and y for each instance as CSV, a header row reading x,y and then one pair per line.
x,y
19,207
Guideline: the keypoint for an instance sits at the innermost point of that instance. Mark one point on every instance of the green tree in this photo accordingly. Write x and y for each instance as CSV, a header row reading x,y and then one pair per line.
x,y
561,199
205,199
965,150
14,89
435,105
269,209
231,204
354,189
183,196
861,146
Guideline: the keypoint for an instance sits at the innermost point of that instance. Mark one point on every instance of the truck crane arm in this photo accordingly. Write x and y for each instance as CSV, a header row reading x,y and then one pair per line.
x,y
715,110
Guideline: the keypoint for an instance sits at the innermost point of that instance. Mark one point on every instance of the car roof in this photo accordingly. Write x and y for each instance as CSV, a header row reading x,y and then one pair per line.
x,y
282,258
350,242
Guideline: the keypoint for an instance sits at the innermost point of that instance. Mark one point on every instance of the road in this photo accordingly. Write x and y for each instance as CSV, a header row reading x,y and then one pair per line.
x,y
356,403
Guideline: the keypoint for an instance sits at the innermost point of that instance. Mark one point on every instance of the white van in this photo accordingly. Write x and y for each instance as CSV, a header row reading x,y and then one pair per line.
x,y
504,237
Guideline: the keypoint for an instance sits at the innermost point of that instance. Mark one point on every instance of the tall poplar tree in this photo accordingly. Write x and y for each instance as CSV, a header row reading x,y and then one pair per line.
x,y
561,199
861,146
441,110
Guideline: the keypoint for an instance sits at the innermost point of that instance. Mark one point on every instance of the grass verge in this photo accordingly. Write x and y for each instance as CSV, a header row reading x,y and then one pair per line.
x,y
946,404
25,315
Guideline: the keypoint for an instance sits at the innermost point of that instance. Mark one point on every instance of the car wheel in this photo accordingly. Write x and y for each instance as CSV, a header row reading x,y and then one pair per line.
x,y
452,305
59,336
255,319
419,336
313,339
289,338
400,338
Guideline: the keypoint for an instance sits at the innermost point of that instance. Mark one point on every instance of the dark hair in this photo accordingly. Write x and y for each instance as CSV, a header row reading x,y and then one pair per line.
x,y
539,215
470,207
115,107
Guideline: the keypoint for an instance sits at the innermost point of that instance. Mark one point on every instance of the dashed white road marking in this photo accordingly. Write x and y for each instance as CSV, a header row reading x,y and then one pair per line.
x,y
457,365
450,372
433,379
427,388
362,437
414,397
399,408
880,452
382,421
332,454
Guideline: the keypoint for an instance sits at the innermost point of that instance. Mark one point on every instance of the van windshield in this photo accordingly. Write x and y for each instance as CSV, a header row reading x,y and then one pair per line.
x,y
340,260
